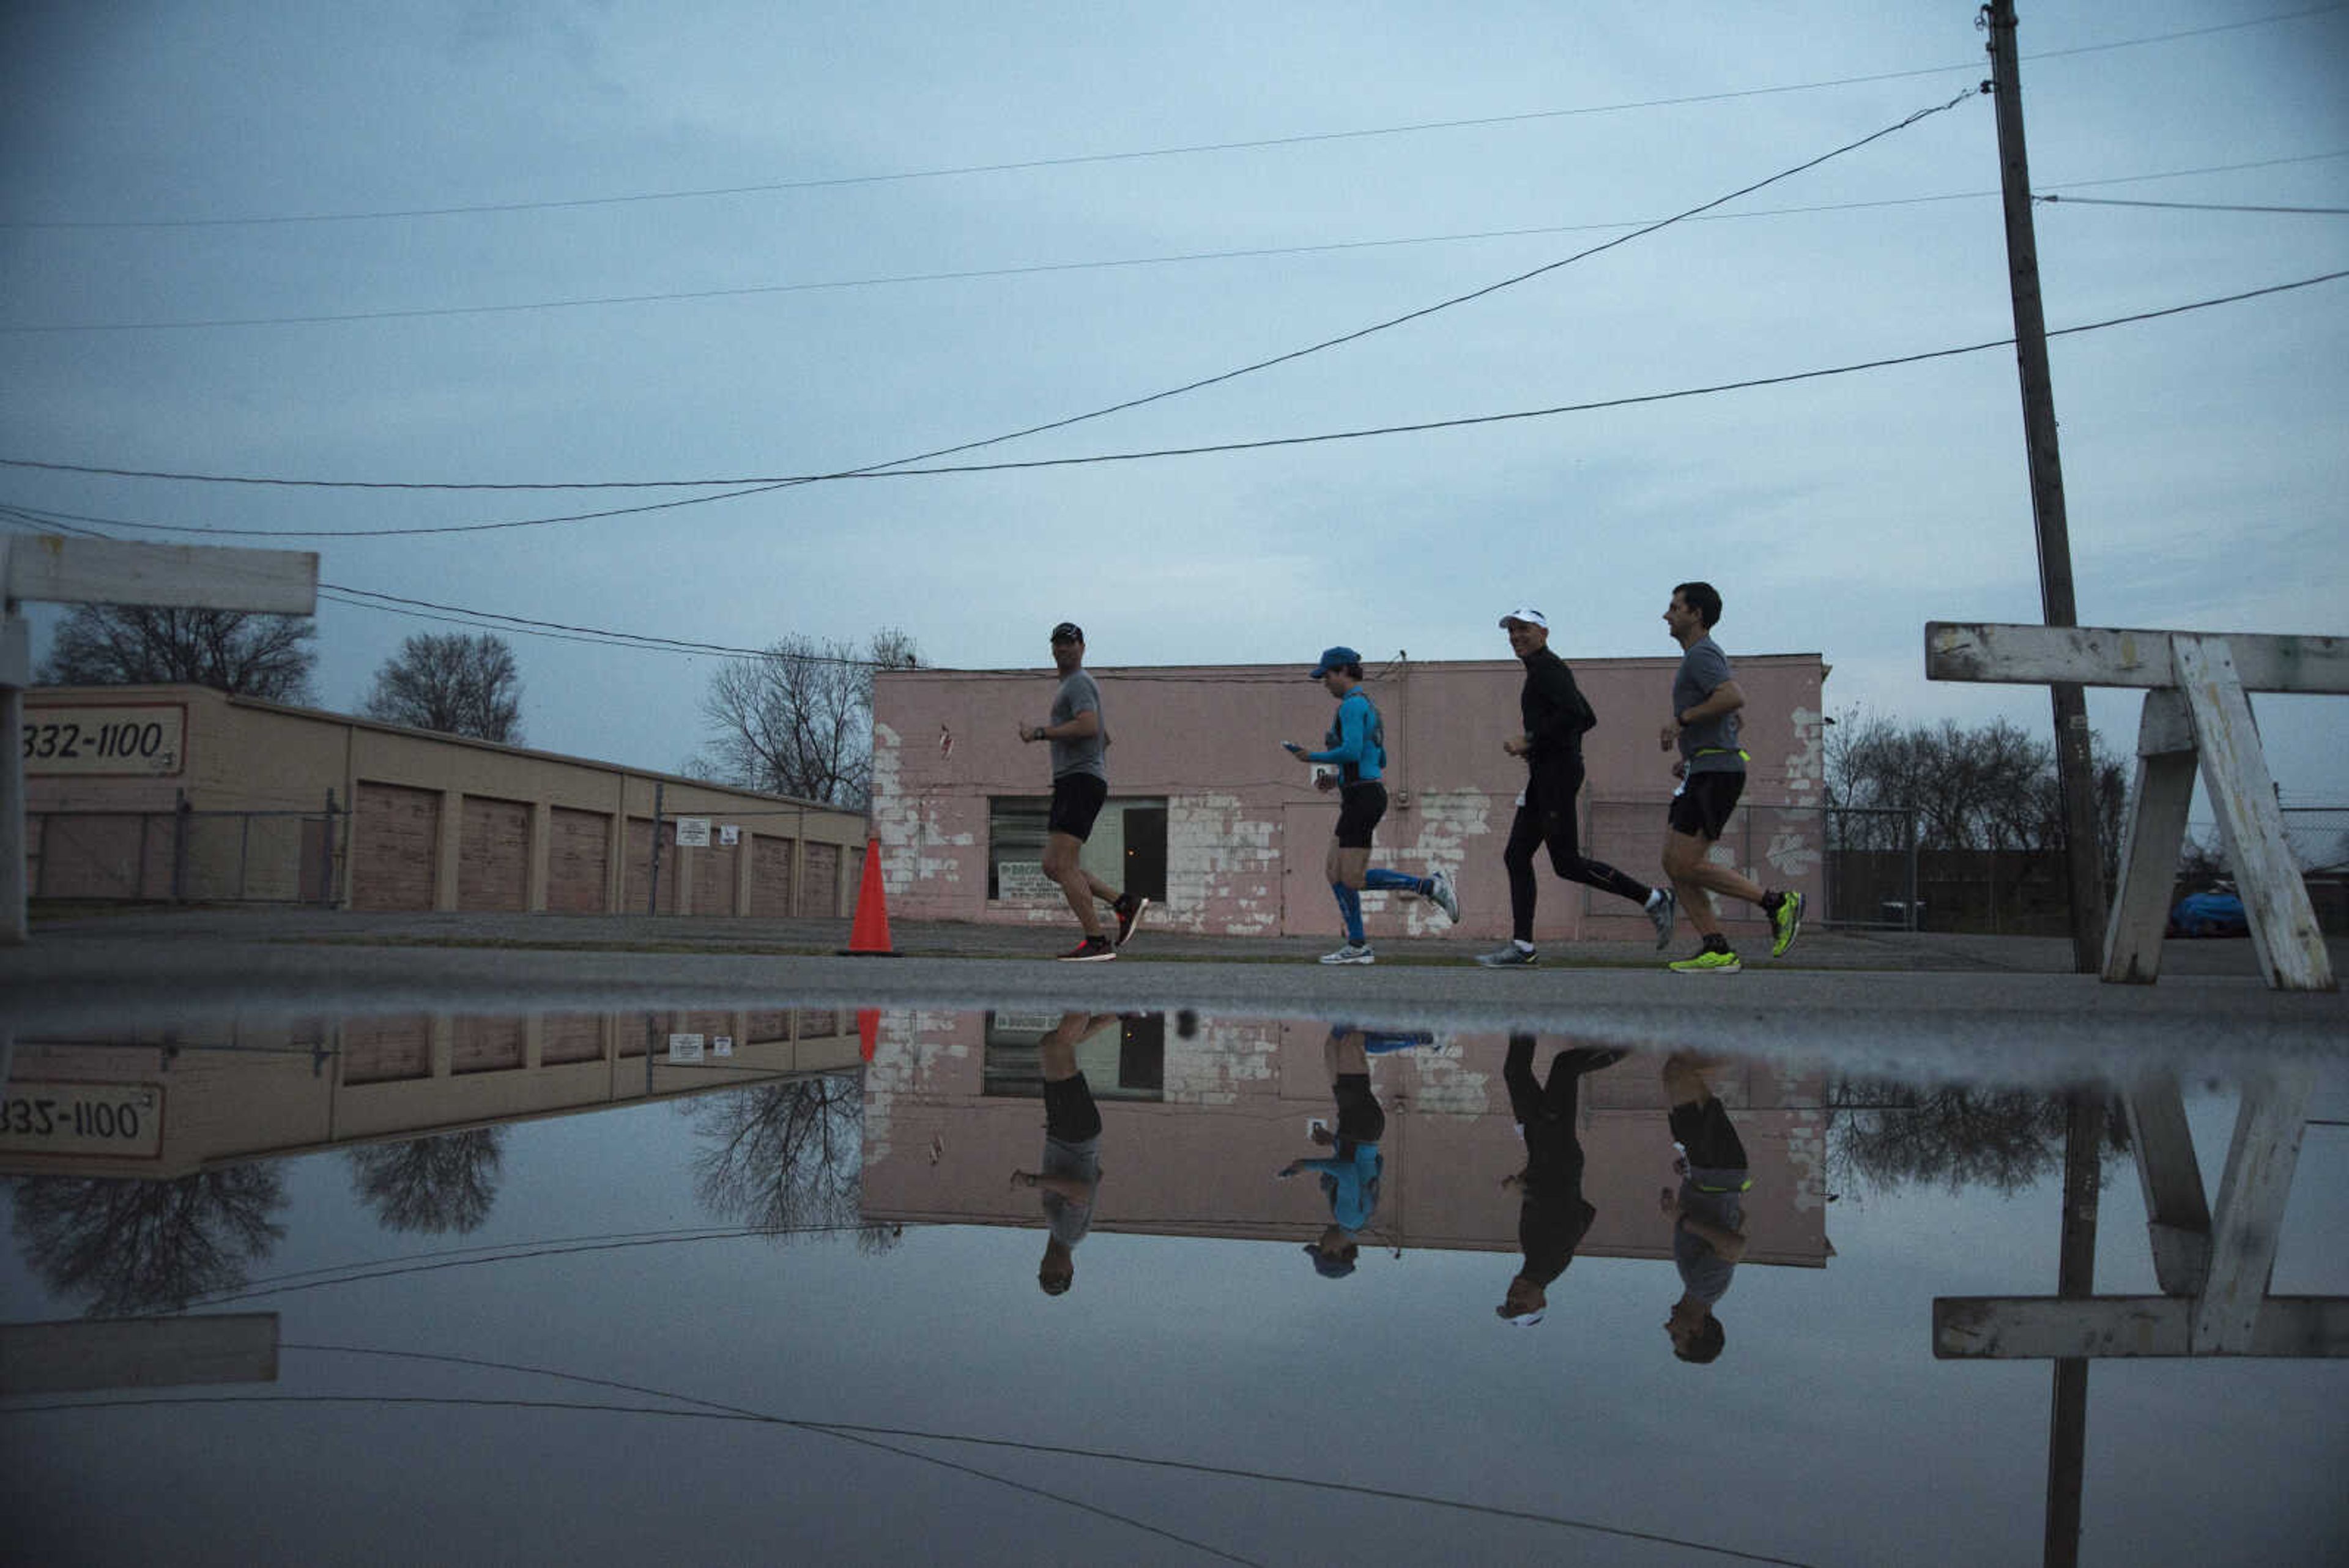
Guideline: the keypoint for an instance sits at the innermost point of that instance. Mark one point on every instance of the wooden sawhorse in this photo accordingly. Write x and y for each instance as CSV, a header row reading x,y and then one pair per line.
x,y
2198,716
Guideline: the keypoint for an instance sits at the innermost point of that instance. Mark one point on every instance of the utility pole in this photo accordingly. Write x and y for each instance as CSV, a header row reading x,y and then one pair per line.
x,y
2074,760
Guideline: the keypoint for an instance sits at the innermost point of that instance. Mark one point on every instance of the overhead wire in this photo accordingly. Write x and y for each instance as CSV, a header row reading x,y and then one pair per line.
x,y
718,1409
2053,198
966,275
1190,150
1199,384
428,609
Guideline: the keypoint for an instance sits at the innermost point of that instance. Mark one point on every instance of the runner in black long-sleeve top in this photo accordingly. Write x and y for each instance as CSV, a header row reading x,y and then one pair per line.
x,y
1556,716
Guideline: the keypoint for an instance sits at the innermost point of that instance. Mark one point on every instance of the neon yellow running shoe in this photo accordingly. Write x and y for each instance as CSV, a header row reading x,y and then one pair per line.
x,y
1785,922
1708,962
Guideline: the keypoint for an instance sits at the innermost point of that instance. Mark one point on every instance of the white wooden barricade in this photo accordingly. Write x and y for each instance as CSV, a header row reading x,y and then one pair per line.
x,y
2196,717
53,568
2212,1261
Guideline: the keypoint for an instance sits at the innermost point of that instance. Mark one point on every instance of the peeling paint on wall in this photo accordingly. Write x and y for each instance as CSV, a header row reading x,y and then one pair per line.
x,y
1221,858
1209,1069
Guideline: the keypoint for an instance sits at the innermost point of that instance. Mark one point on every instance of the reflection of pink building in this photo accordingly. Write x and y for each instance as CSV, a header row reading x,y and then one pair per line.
x,y
1208,811
1192,1131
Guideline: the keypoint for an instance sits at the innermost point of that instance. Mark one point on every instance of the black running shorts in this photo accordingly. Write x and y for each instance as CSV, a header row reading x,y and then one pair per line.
x,y
1704,1131
1704,803
1076,800
1360,1119
1360,806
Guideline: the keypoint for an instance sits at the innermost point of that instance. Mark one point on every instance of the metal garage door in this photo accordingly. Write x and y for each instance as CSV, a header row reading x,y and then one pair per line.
x,y
822,895
493,854
770,877
578,861
395,844
713,879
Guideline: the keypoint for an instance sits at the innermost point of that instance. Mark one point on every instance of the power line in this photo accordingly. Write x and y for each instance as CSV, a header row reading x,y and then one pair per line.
x,y
1356,434
1191,149
1033,269
2185,206
716,1409
1294,354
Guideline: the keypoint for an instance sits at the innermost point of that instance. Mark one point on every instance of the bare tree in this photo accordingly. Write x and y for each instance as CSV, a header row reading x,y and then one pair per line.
x,y
457,684
265,655
1992,786
132,1247
798,719
435,1185
1885,1136
787,1158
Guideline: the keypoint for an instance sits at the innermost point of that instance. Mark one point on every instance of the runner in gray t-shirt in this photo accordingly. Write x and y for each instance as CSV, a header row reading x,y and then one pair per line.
x,y
1079,739
1708,1213
1072,1171
1712,770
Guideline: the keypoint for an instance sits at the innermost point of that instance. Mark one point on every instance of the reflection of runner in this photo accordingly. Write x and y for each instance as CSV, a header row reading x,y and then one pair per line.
x,y
1553,1216
1556,718
1349,1179
1071,1170
1079,786
1708,1213
1712,770
1357,743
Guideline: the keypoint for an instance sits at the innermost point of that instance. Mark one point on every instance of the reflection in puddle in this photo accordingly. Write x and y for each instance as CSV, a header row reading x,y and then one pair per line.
x,y
1244,1223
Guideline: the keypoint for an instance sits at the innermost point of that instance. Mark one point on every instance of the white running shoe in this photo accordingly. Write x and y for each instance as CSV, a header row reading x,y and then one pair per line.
x,y
1664,911
1352,952
1444,897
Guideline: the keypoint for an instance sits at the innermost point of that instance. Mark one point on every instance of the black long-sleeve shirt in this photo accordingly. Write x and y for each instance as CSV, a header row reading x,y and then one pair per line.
x,y
1555,712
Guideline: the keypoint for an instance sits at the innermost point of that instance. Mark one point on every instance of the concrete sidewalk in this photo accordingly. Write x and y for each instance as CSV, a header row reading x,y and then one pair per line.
x,y
130,931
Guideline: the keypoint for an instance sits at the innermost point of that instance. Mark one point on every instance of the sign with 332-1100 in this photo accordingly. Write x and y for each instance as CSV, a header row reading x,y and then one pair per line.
x,y
149,739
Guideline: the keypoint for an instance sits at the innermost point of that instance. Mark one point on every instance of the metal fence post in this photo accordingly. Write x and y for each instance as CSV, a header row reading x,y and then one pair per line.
x,y
181,814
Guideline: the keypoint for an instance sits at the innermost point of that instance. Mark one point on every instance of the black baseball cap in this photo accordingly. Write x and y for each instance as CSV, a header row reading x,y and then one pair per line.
x,y
1068,631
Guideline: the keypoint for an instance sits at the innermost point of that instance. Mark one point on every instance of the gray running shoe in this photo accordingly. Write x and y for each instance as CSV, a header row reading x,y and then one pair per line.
x,y
1352,952
1444,897
1664,912
1508,957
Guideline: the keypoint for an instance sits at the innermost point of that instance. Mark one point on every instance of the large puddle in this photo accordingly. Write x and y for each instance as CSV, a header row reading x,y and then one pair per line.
x,y
818,1283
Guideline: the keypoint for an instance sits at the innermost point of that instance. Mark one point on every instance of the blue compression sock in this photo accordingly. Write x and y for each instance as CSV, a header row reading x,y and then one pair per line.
x,y
1395,882
1350,904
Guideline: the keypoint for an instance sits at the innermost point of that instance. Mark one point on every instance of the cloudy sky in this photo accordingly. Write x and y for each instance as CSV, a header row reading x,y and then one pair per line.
x,y
537,245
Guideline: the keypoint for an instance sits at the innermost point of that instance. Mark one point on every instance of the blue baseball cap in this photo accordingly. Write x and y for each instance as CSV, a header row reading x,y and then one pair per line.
x,y
1333,658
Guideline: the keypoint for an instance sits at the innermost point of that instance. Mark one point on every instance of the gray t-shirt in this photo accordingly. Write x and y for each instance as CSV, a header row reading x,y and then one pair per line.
x,y
1077,694
1069,1221
1704,1271
1710,747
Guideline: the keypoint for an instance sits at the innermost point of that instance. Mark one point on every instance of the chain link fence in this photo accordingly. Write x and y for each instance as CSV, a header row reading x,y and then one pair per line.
x,y
1876,876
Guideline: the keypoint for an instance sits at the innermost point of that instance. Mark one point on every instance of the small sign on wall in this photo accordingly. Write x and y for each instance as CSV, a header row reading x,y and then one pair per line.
x,y
1024,880
684,1047
693,833
729,834
721,1045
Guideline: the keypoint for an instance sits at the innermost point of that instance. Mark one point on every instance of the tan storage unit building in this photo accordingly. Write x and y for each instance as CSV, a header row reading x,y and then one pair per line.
x,y
161,792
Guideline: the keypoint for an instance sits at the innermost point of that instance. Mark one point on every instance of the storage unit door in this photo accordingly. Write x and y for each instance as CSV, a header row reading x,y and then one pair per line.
x,y
771,878
822,895
578,861
493,856
713,879
394,846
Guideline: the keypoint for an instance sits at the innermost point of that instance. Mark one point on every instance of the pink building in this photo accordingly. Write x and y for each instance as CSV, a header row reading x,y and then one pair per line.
x,y
1210,819
1193,1130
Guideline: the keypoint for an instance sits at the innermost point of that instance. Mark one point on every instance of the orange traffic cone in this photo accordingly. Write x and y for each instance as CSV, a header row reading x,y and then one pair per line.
x,y
868,937
868,1031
